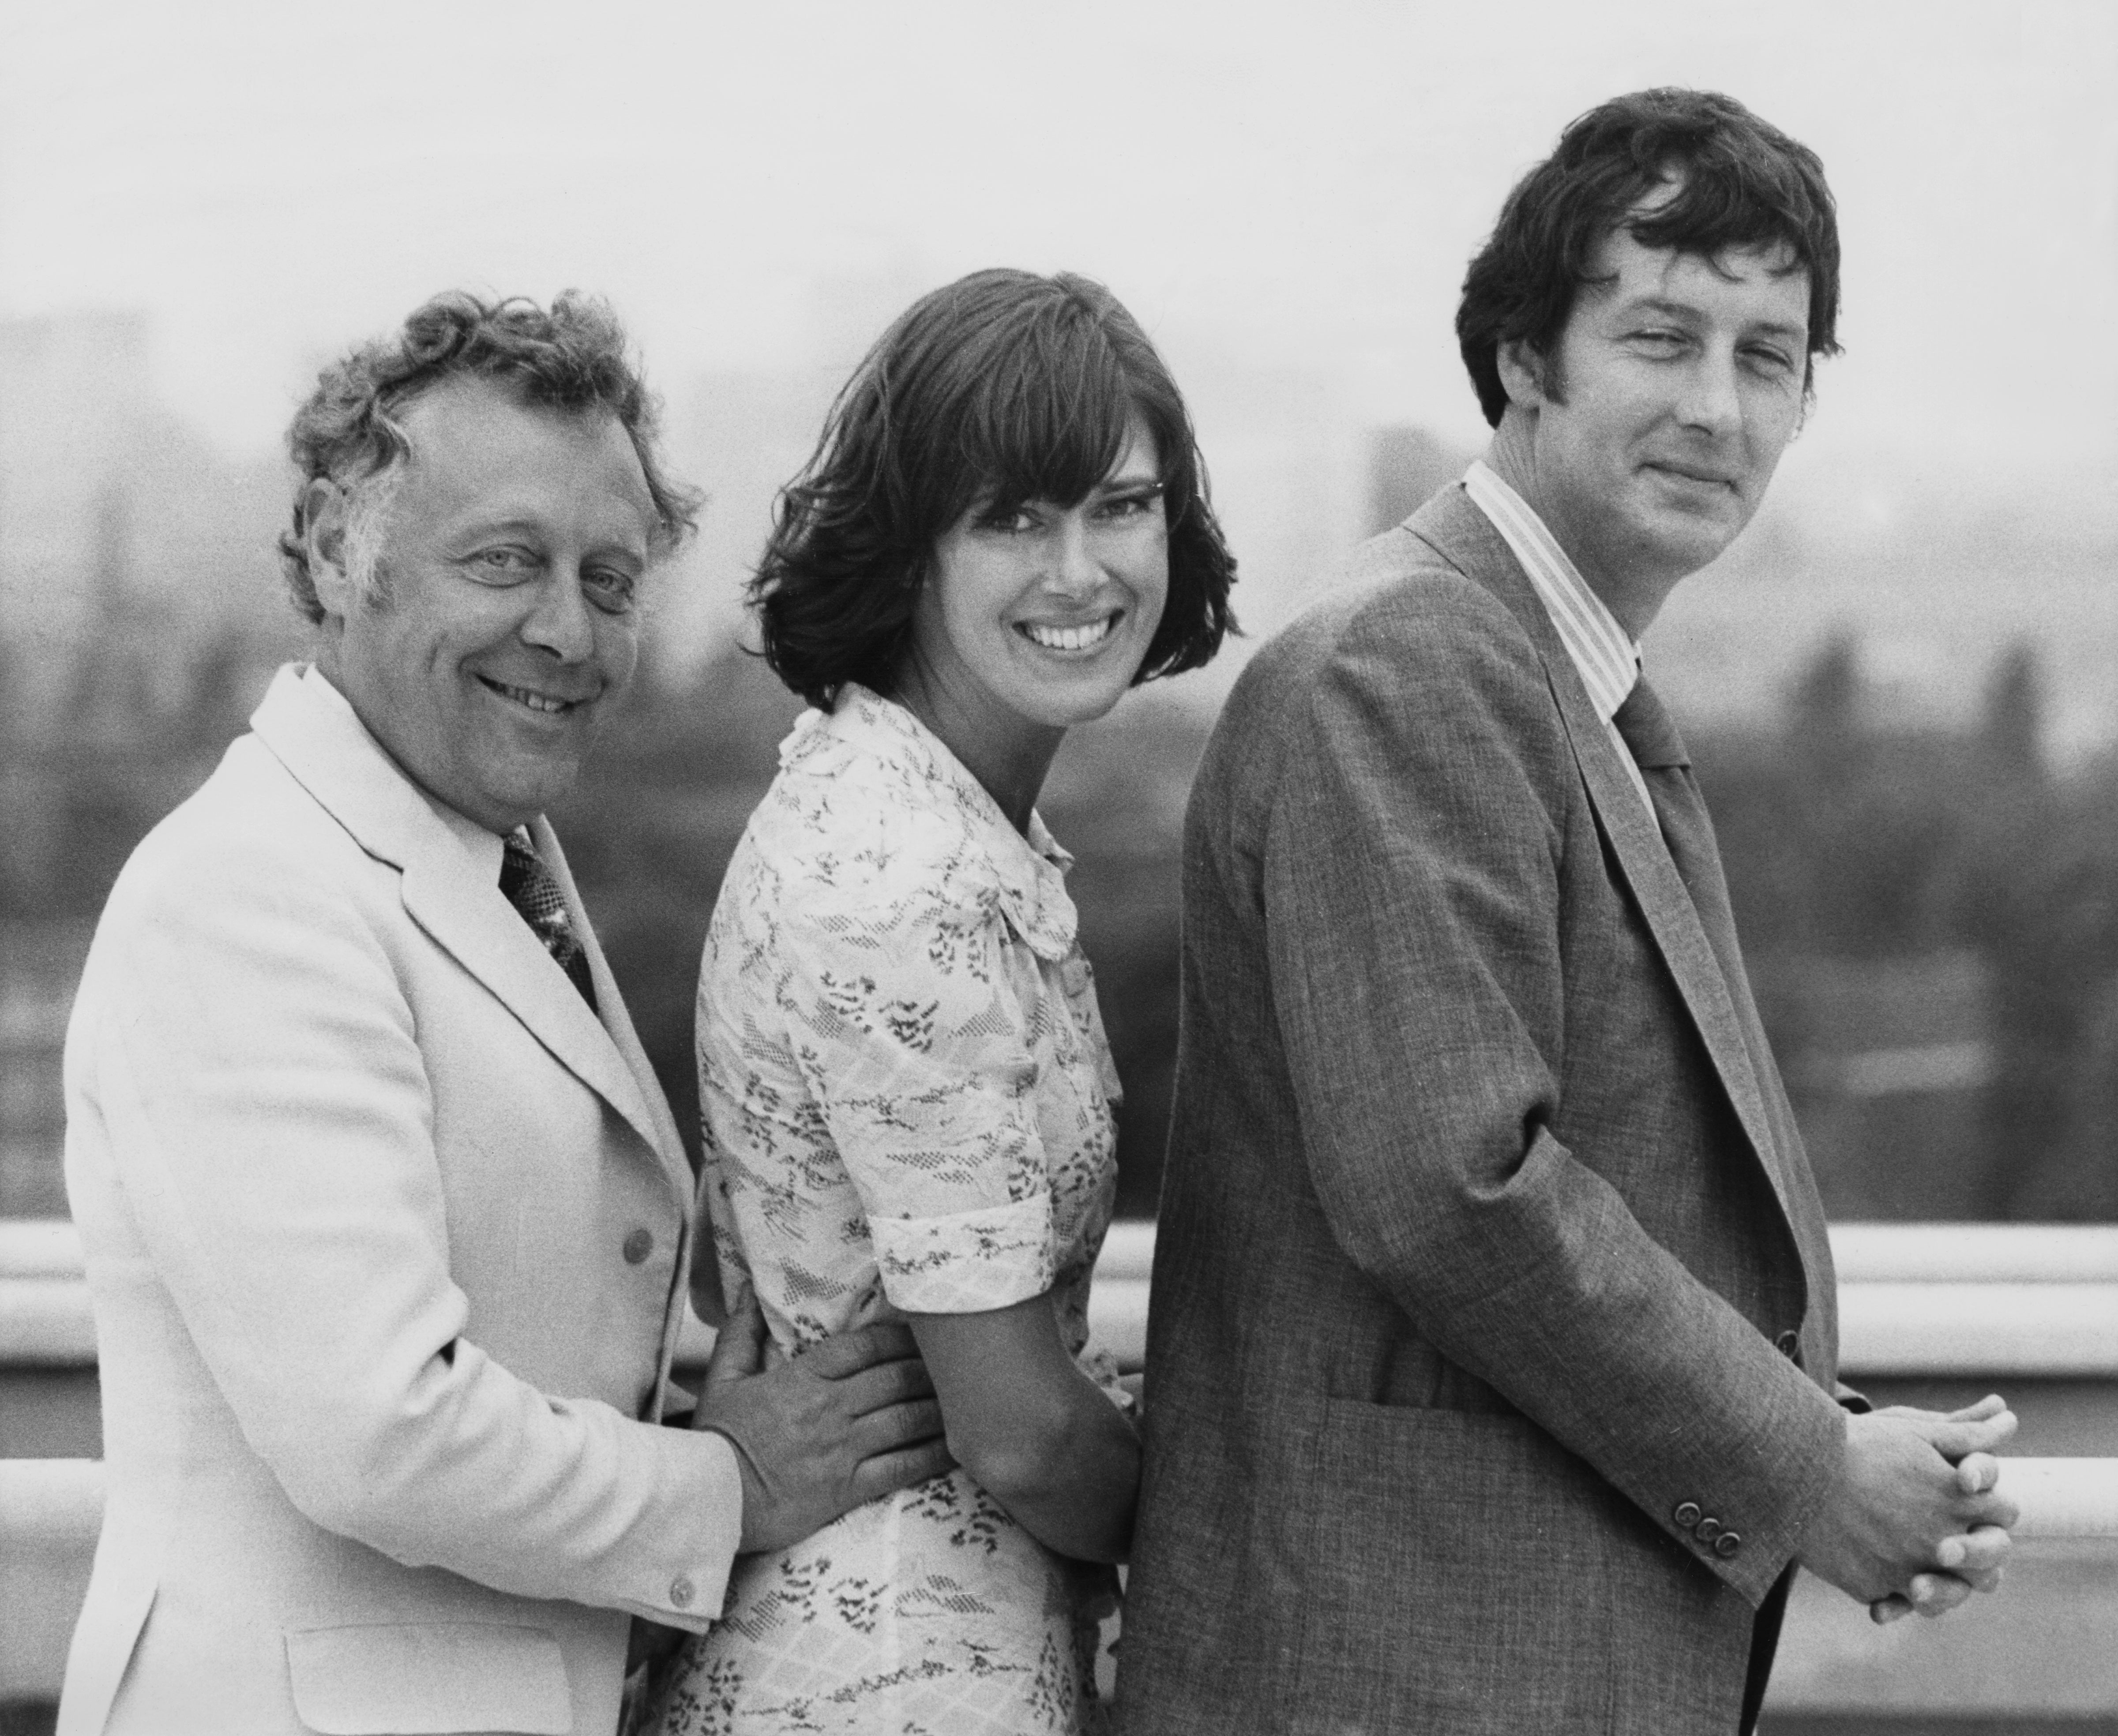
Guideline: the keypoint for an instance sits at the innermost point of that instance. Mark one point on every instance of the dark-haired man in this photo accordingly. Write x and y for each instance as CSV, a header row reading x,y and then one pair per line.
x,y
387,1225
1492,1348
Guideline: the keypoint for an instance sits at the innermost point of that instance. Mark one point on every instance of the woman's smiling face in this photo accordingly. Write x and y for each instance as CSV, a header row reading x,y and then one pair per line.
x,y
1041,615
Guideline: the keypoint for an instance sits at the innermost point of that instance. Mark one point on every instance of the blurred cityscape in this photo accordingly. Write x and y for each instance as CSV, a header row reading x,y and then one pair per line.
x,y
1904,721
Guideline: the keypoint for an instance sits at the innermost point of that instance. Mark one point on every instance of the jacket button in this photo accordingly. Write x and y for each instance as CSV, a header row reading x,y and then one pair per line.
x,y
1726,1544
638,1245
1688,1514
681,1591
1789,1343
1707,1529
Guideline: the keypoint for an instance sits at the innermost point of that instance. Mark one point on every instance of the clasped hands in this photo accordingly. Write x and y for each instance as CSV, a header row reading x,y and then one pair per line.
x,y
1915,1521
852,1418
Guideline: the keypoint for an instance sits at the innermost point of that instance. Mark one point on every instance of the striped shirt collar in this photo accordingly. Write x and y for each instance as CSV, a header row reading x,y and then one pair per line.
x,y
1606,656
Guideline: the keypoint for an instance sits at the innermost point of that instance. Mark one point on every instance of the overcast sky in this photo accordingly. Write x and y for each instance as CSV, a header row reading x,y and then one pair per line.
x,y
1296,182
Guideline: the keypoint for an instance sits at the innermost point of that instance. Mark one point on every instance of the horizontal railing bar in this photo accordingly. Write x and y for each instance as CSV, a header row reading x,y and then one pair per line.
x,y
2059,1329
46,1323
1128,1252
39,1248
1865,1253
1974,1253
1996,1331
2063,1498
1980,1300
50,1501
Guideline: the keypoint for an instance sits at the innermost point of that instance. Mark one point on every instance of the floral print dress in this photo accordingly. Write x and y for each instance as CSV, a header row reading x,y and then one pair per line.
x,y
907,1096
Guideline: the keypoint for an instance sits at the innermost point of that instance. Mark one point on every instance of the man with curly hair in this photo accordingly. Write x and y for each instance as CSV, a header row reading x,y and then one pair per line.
x,y
387,1225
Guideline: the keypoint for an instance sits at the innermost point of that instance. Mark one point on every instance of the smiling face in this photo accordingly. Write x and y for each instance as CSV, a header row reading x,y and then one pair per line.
x,y
1682,383
1039,617
505,627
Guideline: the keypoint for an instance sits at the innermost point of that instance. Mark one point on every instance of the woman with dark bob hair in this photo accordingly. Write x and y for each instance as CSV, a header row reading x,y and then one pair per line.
x,y
905,1087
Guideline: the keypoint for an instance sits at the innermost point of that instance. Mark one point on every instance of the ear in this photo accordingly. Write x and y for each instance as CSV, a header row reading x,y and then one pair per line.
x,y
323,539
1522,373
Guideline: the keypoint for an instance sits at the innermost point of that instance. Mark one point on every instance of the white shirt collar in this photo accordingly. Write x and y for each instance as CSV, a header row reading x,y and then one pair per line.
x,y
1606,656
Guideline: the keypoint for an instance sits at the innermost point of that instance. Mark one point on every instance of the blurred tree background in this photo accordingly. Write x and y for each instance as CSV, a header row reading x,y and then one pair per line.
x,y
1931,914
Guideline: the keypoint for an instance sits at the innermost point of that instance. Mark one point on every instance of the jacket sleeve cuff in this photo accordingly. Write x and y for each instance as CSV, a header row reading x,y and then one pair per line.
x,y
686,1586
1747,1541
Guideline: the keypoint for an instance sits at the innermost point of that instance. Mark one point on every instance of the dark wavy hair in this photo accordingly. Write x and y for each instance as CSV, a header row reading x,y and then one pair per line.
x,y
1741,183
1002,387
573,359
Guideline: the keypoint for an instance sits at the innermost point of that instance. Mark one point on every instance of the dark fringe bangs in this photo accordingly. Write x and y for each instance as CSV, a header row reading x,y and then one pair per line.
x,y
1045,419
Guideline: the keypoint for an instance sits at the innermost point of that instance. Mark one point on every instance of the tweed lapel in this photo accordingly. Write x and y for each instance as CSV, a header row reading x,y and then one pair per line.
x,y
448,891
1454,528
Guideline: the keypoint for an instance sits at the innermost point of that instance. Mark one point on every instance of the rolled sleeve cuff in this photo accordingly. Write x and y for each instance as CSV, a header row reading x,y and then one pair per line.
x,y
967,1263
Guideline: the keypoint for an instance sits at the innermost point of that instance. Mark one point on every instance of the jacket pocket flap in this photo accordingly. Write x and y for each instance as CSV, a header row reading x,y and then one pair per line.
x,y
427,1680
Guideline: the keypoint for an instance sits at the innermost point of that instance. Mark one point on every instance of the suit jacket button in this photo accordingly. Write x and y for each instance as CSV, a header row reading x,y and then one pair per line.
x,y
1707,1529
1726,1544
1688,1514
638,1245
1789,1343
681,1591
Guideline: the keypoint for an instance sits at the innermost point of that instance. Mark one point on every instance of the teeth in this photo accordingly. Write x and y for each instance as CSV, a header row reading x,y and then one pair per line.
x,y
535,701
1069,638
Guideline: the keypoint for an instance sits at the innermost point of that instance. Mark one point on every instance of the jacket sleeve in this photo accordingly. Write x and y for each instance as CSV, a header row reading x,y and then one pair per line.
x,y
1410,881
262,1082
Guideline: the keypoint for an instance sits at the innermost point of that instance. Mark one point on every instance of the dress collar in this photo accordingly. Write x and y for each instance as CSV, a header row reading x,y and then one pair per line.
x,y
1029,871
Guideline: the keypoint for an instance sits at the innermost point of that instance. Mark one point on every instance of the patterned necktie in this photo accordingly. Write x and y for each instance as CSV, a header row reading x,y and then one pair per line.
x,y
534,890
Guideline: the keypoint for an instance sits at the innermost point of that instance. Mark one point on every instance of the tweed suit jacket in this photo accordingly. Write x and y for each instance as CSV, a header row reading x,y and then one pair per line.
x,y
1493,1336
388,1237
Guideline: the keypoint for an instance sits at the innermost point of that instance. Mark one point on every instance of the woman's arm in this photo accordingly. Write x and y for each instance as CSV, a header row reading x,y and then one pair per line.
x,y
1024,1420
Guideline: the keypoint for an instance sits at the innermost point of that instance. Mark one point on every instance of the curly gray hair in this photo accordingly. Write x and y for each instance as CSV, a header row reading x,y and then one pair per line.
x,y
573,358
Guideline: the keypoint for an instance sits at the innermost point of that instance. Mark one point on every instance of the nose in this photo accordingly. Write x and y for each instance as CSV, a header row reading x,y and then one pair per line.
x,y
1075,567
1713,402
560,623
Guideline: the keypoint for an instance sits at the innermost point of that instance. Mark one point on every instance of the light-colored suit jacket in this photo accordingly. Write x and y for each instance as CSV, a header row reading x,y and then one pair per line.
x,y
1493,1334
387,1235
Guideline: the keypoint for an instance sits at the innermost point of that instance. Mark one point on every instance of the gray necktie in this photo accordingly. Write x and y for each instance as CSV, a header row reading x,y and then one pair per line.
x,y
1651,735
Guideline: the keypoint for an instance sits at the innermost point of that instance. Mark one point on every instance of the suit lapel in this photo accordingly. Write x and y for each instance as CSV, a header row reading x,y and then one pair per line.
x,y
1454,527
616,1023
481,930
316,735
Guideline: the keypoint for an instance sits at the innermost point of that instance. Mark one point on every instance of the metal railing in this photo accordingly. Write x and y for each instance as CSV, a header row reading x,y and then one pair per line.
x,y
1984,1299
1993,1303
1914,1298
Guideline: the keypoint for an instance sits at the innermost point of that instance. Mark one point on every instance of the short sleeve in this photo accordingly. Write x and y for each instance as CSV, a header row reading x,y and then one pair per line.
x,y
910,1024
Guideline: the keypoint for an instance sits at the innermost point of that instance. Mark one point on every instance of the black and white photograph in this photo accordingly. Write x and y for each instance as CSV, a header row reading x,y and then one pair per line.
x,y
1148,868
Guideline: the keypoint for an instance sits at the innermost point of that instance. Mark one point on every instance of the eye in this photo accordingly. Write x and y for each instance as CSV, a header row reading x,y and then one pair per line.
x,y
1658,339
507,563
610,589
1767,359
1008,520
1135,506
